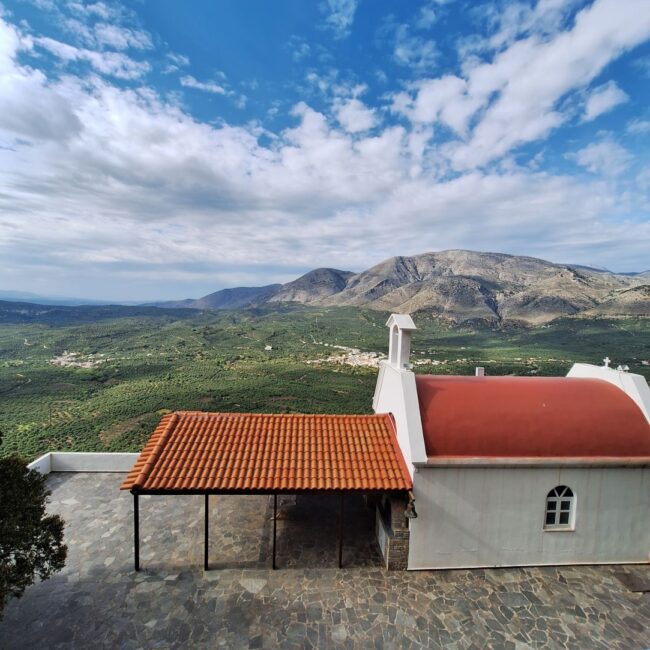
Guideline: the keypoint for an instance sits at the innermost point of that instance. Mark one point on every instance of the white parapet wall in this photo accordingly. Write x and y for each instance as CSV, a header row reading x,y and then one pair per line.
x,y
635,386
78,461
42,464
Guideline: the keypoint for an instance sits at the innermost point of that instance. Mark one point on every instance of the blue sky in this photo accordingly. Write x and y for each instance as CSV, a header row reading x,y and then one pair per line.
x,y
165,149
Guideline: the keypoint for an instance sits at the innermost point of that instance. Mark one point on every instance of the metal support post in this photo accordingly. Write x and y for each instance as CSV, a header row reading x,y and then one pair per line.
x,y
136,531
205,541
341,532
275,523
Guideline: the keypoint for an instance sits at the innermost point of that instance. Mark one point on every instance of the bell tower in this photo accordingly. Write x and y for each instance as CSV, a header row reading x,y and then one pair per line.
x,y
400,327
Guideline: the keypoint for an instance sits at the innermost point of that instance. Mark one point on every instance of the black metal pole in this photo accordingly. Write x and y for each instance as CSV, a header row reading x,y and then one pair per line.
x,y
341,532
275,520
205,541
136,531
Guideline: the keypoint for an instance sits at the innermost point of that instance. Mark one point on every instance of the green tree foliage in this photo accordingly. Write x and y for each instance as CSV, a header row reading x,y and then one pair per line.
x,y
31,542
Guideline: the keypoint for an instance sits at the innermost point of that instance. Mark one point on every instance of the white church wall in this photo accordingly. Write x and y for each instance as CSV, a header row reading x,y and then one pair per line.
x,y
487,516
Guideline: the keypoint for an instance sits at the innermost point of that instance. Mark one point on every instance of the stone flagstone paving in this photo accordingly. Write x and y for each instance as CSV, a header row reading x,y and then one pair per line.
x,y
98,601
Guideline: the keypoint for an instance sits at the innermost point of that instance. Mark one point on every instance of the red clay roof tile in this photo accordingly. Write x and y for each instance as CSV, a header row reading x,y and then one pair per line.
x,y
192,450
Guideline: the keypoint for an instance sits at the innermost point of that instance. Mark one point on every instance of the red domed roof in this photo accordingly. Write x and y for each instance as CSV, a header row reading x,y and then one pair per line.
x,y
529,417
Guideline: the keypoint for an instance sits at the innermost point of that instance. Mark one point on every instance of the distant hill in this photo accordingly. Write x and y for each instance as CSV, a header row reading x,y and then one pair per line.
x,y
313,286
25,312
458,285
34,298
237,298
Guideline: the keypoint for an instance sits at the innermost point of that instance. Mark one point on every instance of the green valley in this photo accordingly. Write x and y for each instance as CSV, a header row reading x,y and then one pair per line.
x,y
99,378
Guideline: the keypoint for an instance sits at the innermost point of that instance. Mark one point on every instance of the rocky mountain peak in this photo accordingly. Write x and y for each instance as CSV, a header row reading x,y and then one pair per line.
x,y
459,285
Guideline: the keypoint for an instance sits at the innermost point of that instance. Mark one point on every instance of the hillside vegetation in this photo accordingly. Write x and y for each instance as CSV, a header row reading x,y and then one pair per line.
x,y
99,378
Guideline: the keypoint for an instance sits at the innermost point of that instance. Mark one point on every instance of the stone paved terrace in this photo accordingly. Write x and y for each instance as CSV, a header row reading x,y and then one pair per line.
x,y
98,601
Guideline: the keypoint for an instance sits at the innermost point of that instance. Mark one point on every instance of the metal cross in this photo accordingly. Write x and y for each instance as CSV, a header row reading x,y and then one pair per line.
x,y
607,361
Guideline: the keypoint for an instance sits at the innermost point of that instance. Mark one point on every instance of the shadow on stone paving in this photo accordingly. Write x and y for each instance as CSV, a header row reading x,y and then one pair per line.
x,y
307,532
240,532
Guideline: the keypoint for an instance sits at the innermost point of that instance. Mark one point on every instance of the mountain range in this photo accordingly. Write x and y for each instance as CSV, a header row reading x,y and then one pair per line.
x,y
458,285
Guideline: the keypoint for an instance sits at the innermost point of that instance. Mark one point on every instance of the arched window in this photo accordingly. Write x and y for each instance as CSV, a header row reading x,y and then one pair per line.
x,y
560,508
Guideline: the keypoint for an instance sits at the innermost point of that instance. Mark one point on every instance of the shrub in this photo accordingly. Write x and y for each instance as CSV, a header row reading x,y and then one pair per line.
x,y
31,542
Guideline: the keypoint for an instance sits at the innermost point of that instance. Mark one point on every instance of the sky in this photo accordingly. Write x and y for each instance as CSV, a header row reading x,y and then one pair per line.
x,y
159,149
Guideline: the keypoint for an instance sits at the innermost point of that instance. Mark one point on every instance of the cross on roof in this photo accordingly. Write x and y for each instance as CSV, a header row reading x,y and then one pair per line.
x,y
607,361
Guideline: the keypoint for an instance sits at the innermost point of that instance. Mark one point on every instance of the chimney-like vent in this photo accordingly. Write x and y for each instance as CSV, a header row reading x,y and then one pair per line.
x,y
480,372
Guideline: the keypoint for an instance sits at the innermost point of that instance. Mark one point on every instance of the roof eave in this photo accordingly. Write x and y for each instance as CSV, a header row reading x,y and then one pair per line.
x,y
518,462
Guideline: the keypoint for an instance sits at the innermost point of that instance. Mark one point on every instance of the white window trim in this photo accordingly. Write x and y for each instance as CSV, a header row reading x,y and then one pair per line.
x,y
556,527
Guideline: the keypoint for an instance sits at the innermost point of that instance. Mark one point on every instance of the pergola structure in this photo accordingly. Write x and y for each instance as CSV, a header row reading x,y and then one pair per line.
x,y
193,452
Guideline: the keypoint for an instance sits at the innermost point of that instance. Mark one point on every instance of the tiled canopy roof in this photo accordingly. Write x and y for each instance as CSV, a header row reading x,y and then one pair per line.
x,y
195,451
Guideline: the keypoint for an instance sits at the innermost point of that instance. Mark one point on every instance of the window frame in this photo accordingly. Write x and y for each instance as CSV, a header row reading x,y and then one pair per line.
x,y
557,497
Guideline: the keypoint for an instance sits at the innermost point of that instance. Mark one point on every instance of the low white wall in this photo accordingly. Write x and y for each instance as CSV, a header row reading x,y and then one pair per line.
x,y
42,464
69,461
484,517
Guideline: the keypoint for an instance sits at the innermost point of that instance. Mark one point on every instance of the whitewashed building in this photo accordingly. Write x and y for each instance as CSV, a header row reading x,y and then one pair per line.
x,y
515,471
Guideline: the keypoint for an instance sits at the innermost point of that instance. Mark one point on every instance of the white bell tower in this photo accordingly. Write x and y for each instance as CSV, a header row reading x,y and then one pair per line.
x,y
399,345
397,394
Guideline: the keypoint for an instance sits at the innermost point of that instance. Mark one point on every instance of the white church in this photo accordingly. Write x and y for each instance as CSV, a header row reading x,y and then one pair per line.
x,y
515,471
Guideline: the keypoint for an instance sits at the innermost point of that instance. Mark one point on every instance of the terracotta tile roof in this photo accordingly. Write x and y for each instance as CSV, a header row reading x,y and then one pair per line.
x,y
191,450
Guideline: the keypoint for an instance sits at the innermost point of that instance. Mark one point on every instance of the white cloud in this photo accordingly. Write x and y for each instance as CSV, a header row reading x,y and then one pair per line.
x,y
100,36
443,99
99,9
643,183
413,50
115,64
102,179
339,16
325,81
606,157
29,106
638,126
239,99
426,17
514,98
175,62
517,19
99,25
122,38
80,31
207,86
354,116
299,48
381,76
643,65
602,99
301,51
